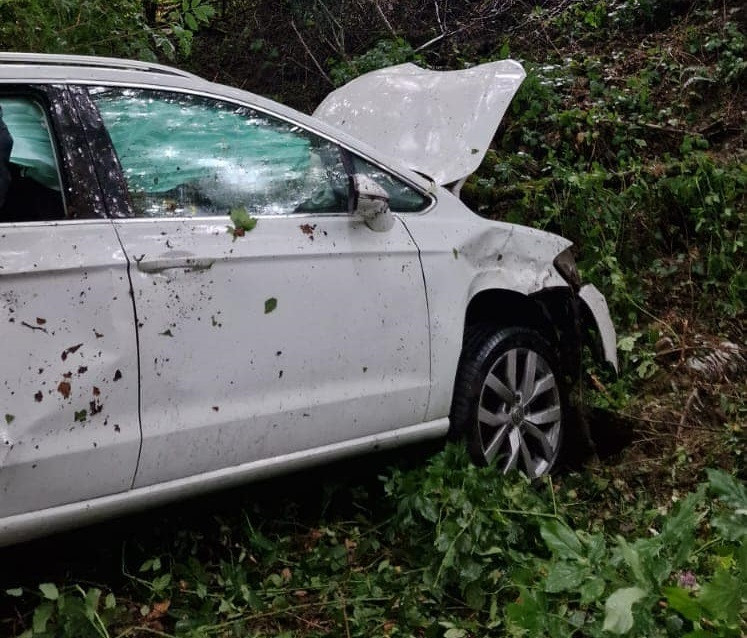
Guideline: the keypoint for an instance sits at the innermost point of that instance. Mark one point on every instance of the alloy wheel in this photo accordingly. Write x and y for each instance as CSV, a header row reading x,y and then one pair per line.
x,y
520,413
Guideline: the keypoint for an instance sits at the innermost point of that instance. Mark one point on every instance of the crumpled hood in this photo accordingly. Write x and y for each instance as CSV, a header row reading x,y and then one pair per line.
x,y
439,123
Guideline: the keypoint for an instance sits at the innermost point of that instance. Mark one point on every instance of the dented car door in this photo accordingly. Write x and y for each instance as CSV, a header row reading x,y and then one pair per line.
x,y
69,427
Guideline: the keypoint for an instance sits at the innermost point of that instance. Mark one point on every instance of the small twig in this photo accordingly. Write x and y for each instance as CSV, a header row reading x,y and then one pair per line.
x,y
439,37
28,325
692,396
664,353
311,55
643,419
148,630
384,18
345,616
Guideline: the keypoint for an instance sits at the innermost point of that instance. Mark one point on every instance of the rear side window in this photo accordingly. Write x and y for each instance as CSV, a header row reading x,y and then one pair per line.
x,y
185,155
29,178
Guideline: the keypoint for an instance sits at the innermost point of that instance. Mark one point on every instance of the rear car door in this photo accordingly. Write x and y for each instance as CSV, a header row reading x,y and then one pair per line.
x,y
307,330
69,427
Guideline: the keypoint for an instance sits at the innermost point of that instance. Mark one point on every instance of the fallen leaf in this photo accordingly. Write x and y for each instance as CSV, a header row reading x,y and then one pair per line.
x,y
64,389
70,350
270,305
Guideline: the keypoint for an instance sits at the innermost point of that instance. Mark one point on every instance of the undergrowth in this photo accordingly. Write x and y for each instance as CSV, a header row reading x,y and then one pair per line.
x,y
446,549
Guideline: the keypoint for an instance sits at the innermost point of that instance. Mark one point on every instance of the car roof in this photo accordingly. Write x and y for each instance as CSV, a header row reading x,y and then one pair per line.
x,y
90,61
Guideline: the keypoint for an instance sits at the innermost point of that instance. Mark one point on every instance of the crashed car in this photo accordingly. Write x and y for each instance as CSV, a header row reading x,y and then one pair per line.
x,y
199,286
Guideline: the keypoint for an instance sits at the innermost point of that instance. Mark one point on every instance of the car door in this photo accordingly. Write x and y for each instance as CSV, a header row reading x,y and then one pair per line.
x,y
286,326
69,427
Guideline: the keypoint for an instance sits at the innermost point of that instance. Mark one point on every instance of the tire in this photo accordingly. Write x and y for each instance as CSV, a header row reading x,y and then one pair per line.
x,y
508,420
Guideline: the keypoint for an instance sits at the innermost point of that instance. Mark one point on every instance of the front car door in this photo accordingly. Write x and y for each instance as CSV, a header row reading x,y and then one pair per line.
x,y
69,427
307,330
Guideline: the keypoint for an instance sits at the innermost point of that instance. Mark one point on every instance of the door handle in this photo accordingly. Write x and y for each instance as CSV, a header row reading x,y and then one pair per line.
x,y
170,263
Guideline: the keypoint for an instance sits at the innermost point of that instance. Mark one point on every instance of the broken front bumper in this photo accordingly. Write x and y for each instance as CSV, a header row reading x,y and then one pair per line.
x,y
596,304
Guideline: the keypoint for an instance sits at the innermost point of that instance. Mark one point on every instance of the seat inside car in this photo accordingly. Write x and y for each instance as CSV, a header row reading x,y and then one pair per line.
x,y
29,178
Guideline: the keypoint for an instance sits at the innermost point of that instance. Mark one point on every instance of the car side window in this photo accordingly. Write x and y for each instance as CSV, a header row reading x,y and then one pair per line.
x,y
402,198
29,175
186,155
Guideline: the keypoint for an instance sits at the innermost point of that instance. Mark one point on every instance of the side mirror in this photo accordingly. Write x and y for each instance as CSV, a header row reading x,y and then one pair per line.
x,y
372,203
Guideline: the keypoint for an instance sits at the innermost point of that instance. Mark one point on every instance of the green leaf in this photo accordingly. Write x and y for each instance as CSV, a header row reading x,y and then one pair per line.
x,y
203,12
733,525
241,219
680,600
110,602
591,590
17,591
565,576
474,596
529,612
42,614
722,596
49,591
161,582
152,564
561,539
92,602
9,418
618,610
191,22
270,305
455,632
633,559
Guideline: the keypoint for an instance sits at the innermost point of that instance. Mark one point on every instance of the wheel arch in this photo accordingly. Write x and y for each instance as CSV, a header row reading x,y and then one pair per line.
x,y
553,312
556,313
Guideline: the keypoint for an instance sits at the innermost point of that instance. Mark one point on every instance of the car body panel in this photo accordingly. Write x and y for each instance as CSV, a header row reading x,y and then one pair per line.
x,y
439,123
463,255
341,351
69,367
21,527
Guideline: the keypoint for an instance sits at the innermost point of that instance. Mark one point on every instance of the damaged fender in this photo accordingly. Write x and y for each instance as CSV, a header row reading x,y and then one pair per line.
x,y
596,305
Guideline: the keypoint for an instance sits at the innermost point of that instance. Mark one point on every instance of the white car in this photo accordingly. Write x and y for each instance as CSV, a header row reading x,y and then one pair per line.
x,y
199,286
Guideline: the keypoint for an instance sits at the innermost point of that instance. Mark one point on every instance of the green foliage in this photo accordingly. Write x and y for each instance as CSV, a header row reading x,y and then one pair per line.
x,y
641,222
72,612
384,53
450,550
116,28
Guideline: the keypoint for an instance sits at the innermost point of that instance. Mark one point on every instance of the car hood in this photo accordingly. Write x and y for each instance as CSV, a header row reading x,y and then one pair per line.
x,y
439,123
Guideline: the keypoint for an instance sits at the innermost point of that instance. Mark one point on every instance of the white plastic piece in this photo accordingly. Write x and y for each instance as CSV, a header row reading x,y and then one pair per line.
x,y
597,304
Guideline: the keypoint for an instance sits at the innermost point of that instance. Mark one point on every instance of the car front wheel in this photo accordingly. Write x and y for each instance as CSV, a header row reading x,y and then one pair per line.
x,y
508,400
